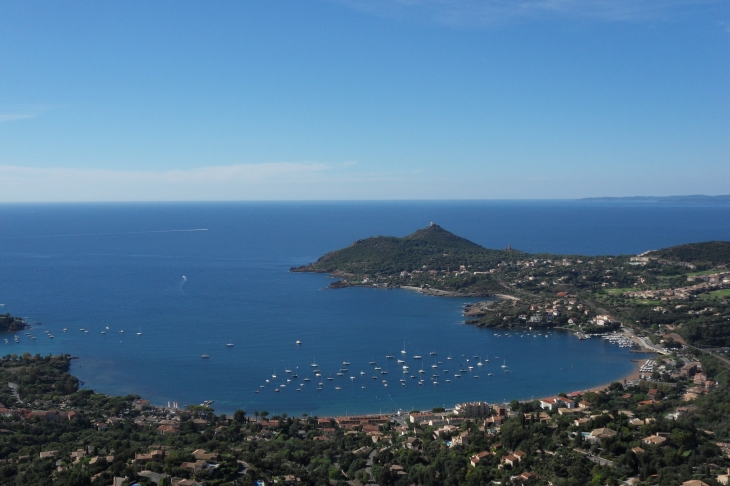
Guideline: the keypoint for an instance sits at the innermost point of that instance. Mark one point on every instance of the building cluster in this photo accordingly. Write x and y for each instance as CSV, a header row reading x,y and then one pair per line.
x,y
681,293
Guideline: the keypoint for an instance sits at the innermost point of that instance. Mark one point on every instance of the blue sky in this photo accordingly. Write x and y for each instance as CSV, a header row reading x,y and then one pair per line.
x,y
358,99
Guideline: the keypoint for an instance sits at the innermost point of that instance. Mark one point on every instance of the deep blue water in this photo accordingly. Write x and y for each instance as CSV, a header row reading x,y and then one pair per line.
x,y
121,266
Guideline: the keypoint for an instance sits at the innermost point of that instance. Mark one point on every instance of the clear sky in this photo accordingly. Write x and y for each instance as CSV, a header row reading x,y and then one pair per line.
x,y
363,99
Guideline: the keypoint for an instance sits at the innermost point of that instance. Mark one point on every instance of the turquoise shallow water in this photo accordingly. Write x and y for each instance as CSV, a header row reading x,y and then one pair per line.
x,y
120,266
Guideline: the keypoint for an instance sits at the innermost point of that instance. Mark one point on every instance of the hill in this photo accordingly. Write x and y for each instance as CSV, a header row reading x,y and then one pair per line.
x,y
9,323
432,247
711,253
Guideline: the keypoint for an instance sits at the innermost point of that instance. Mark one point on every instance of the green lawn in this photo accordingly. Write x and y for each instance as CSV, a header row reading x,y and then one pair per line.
x,y
715,294
620,291
705,272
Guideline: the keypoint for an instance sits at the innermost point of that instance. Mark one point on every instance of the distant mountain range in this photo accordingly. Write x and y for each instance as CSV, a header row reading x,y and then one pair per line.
x,y
694,199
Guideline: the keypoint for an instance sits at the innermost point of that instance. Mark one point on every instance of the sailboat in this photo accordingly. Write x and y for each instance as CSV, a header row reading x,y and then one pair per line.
x,y
403,351
504,364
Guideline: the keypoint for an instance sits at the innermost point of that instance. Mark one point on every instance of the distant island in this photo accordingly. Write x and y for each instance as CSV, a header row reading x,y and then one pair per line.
x,y
693,199
668,296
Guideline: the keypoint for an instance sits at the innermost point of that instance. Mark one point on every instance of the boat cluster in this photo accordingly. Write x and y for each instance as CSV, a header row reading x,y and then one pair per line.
x,y
619,340
523,334
415,373
648,367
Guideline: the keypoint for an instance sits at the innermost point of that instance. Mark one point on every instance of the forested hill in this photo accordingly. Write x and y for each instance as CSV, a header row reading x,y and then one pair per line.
x,y
711,253
10,323
432,247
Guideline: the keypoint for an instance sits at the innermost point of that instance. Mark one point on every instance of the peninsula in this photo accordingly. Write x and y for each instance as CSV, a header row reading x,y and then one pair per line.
x,y
664,297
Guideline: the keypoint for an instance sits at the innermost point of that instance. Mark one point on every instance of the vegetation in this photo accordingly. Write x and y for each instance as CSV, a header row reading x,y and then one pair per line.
x,y
111,437
9,323
658,293
711,253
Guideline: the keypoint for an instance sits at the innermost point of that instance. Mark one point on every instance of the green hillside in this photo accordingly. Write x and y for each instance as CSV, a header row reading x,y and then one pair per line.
x,y
432,247
711,253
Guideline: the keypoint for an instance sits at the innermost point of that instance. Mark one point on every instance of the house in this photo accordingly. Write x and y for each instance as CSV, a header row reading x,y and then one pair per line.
x,y
472,409
597,435
724,478
206,456
184,482
168,430
195,466
461,439
510,460
526,476
652,394
638,450
141,404
549,404
418,417
520,454
47,454
414,443
446,429
690,369
156,456
474,460
654,440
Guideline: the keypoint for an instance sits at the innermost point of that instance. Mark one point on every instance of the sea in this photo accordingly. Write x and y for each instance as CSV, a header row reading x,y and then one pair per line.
x,y
138,293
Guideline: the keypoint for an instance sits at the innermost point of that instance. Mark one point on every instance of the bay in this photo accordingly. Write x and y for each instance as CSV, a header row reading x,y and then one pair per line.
x,y
122,265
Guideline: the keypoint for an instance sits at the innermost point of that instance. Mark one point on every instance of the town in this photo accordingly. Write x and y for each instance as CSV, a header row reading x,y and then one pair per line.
x,y
668,426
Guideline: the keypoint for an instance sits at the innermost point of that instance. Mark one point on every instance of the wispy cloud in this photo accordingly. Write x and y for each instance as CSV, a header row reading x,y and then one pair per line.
x,y
480,13
8,117
329,181
282,180
24,112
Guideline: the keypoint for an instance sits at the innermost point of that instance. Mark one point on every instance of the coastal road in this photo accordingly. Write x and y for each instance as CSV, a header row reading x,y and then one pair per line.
x,y
643,342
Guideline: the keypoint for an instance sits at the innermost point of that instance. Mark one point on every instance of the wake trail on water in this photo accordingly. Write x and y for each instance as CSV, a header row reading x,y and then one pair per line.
x,y
107,234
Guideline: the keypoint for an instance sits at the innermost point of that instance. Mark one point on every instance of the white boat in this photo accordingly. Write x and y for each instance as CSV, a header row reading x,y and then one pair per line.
x,y
338,388
298,342
205,356
403,351
230,345
504,364
138,334
345,363
490,374
66,330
